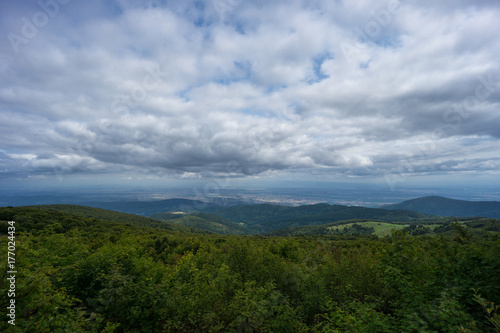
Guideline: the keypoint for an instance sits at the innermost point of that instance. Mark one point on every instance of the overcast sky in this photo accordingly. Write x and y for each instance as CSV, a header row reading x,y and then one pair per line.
x,y
176,90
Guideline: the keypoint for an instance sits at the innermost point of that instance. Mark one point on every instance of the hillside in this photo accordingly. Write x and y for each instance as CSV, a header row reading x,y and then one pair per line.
x,y
148,208
434,226
37,220
83,274
267,217
178,215
442,206
196,222
205,221
344,228
114,216
317,219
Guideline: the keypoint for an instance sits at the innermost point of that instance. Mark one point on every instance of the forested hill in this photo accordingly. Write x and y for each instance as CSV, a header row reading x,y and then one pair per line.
x,y
183,222
243,219
148,208
94,214
442,206
266,217
204,221
181,215
76,273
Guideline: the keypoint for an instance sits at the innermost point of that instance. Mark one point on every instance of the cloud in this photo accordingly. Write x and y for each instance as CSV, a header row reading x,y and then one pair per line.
x,y
185,89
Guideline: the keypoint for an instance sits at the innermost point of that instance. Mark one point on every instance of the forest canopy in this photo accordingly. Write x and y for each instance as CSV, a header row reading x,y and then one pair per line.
x,y
85,274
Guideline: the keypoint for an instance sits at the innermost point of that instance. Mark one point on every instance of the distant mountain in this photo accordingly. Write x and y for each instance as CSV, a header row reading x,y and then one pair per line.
x,y
205,221
267,217
148,208
35,219
180,215
34,199
442,206
113,216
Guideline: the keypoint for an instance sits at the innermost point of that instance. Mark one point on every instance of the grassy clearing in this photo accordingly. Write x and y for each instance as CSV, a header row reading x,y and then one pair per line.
x,y
381,228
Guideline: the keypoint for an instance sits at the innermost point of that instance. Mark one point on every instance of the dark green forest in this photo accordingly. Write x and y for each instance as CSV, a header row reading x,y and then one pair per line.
x,y
101,271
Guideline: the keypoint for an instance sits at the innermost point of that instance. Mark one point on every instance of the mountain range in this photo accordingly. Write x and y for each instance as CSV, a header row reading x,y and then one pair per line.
x,y
249,219
436,205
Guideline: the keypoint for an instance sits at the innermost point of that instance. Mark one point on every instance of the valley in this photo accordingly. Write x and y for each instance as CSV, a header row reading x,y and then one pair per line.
x,y
252,219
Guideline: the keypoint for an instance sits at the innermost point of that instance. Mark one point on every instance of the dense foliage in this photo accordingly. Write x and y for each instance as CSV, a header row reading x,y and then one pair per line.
x,y
113,216
148,208
428,226
83,274
267,217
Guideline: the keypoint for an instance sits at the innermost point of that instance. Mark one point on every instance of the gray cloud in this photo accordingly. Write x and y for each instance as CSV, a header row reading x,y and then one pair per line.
x,y
365,89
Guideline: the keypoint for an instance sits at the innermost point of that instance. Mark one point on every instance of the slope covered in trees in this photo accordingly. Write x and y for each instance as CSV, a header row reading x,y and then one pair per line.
x,y
205,221
436,205
83,274
266,217
148,208
113,216
430,227
281,221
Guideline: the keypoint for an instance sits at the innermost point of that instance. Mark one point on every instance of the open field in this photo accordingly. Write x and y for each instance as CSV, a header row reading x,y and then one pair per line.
x,y
381,228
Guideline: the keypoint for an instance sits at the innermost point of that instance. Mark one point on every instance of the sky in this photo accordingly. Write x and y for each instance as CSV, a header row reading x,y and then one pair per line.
x,y
166,92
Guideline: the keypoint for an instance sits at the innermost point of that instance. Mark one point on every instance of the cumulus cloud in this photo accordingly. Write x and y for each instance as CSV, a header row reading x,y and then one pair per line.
x,y
188,88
